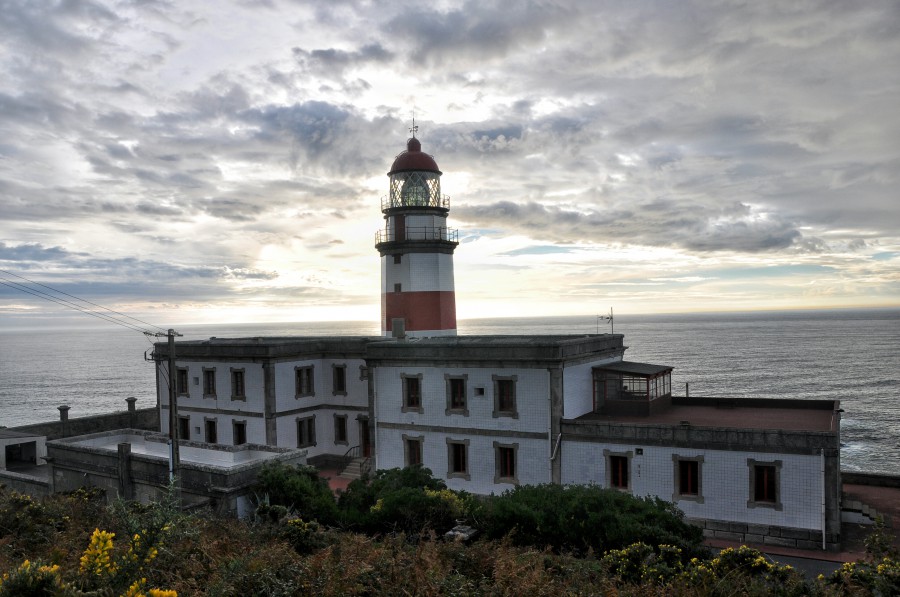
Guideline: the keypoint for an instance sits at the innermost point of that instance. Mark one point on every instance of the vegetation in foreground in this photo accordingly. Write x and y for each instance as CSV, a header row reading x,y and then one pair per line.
x,y
383,537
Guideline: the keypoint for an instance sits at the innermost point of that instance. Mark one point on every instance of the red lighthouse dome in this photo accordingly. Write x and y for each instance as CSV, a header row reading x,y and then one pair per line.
x,y
414,159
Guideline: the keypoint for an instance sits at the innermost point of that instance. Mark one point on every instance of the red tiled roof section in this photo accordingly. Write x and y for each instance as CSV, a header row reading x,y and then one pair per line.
x,y
787,419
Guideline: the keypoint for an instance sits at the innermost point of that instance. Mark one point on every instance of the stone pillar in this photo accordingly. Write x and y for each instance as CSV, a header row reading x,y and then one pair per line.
x,y
131,414
556,411
123,470
269,403
64,420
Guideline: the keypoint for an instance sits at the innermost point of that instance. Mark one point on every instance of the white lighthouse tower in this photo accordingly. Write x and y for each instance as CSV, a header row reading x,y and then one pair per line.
x,y
416,248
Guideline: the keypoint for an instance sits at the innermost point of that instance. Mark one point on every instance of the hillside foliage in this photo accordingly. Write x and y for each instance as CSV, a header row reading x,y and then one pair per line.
x,y
75,544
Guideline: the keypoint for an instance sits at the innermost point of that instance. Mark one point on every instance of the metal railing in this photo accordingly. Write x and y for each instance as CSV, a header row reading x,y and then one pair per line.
x,y
418,233
387,202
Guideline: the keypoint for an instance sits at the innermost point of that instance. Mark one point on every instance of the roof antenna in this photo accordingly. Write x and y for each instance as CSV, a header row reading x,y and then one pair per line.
x,y
414,128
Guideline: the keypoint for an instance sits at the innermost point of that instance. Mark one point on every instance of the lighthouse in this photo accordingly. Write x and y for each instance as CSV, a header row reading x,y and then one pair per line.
x,y
416,248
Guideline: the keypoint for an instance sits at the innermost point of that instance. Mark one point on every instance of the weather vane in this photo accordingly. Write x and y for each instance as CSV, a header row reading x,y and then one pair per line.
x,y
414,128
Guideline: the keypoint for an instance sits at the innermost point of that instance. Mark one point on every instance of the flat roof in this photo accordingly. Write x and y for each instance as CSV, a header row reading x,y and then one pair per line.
x,y
154,444
10,434
769,417
633,367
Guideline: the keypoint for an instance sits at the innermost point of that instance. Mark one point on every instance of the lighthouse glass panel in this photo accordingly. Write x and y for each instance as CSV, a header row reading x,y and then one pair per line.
x,y
415,189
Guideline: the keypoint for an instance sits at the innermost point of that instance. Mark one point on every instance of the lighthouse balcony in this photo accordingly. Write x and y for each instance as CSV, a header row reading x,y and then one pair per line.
x,y
418,233
424,199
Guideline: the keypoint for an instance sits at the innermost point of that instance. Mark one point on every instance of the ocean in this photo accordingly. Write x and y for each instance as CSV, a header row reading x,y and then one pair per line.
x,y
849,355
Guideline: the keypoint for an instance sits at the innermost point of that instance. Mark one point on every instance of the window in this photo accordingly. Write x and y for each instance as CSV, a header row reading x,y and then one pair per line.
x,y
688,478
237,385
618,465
412,393
339,379
456,395
398,259
209,383
211,436
398,287
505,463
304,382
181,381
306,432
505,396
340,429
184,428
412,448
458,459
765,484
240,432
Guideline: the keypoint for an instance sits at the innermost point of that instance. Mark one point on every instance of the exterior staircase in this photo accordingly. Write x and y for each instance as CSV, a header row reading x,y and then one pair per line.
x,y
356,468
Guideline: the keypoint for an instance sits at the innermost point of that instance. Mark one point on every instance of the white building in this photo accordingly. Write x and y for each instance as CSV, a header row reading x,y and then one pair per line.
x,y
487,413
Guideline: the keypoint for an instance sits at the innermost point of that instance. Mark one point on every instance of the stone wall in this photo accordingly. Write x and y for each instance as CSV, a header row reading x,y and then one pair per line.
x,y
767,534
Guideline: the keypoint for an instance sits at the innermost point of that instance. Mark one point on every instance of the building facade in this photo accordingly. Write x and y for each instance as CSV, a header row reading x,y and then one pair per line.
x,y
488,413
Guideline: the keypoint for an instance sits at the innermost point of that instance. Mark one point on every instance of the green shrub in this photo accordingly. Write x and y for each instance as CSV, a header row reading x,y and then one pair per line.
x,y
584,518
408,500
300,489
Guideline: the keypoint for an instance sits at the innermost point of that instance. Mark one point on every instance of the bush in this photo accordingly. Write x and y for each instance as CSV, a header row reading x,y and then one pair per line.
x,y
300,489
408,500
585,518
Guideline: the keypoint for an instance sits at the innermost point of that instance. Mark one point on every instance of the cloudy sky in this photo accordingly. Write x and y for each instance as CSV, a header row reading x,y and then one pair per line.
x,y
190,161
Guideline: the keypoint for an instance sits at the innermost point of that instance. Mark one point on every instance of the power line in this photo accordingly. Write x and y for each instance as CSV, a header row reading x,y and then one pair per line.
x,y
69,304
78,299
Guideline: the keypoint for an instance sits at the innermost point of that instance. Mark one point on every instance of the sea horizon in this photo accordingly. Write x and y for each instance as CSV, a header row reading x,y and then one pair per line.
x,y
87,322
848,355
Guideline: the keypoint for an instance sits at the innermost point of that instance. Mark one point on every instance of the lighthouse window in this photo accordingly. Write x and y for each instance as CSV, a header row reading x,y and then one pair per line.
x,y
456,395
505,396
398,259
412,393
304,381
240,432
765,491
340,429
181,383
413,449
398,287
237,385
339,380
618,470
688,479
306,432
209,383
210,435
505,463
458,459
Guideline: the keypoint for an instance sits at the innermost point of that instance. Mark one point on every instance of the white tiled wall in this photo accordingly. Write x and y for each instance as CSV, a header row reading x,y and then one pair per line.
x,y
532,398
532,462
725,481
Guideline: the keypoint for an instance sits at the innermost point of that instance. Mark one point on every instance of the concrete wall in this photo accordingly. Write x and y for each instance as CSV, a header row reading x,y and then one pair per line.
x,y
27,484
141,418
145,477
578,387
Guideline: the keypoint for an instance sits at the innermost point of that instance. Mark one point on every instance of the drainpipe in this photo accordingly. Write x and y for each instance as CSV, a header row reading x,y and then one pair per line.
x,y
823,497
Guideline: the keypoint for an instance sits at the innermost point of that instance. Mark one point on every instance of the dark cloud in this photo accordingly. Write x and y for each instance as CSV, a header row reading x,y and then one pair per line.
x,y
661,223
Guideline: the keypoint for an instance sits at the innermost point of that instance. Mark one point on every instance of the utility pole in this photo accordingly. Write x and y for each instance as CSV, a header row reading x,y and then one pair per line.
x,y
173,404
173,410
